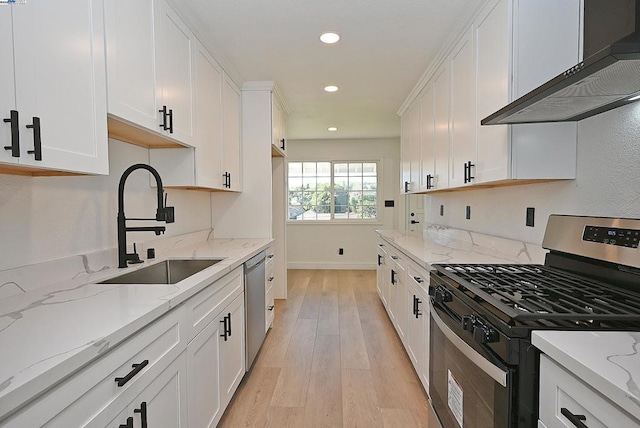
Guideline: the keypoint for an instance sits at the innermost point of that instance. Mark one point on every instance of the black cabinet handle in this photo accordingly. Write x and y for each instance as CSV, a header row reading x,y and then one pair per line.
x,y
574,419
393,276
429,181
406,187
229,180
229,324
271,307
467,172
121,381
170,121
418,279
282,141
414,305
37,139
224,333
271,278
129,423
143,414
15,134
270,256
414,222
379,260
163,125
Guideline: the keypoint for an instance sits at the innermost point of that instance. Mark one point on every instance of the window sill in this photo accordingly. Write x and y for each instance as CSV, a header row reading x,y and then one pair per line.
x,y
335,222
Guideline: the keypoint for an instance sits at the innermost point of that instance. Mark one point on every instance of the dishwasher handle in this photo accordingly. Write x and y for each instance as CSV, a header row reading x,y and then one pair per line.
x,y
254,261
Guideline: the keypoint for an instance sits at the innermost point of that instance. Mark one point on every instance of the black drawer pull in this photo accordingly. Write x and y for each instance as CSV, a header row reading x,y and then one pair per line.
x,y
270,256
282,140
129,423
229,331
170,121
574,419
143,414
418,279
121,381
37,139
271,307
271,278
15,134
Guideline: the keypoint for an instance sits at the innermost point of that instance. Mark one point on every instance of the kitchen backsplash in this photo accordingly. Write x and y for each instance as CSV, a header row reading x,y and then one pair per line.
x,y
26,278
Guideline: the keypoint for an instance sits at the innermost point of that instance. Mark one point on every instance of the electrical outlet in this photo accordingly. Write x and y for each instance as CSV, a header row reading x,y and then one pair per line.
x,y
441,210
468,216
531,215
341,251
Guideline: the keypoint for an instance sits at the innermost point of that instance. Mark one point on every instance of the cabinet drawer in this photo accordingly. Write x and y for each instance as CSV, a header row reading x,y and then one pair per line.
x,y
77,400
269,277
418,276
559,389
205,305
270,308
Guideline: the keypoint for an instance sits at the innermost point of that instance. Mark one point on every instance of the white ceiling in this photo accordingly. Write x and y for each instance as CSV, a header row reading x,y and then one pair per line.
x,y
385,48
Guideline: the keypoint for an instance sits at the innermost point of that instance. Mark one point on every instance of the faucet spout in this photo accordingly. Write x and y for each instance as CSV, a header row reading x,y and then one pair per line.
x,y
163,213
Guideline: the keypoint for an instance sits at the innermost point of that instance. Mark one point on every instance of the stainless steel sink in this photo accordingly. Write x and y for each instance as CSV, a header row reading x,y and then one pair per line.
x,y
167,272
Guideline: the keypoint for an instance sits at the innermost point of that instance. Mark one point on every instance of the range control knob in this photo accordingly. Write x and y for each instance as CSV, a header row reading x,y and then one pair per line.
x,y
442,295
485,335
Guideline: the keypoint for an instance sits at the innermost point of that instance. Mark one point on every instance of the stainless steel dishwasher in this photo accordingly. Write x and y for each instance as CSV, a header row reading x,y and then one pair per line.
x,y
254,304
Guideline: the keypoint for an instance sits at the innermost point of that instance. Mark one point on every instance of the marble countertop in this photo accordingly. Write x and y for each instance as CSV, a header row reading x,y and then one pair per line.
x,y
445,245
48,333
607,361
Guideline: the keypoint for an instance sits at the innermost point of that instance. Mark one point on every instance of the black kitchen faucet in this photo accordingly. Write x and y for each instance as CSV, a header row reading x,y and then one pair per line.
x,y
163,213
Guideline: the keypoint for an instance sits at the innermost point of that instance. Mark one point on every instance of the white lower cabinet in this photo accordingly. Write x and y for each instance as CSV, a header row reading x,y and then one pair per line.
x,y
162,404
180,370
216,365
567,402
403,289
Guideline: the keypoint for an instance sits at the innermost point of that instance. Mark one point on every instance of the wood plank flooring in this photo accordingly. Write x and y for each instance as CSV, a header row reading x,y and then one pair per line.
x,y
332,359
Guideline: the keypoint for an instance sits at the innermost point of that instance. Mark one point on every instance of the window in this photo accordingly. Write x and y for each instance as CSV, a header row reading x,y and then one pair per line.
x,y
333,190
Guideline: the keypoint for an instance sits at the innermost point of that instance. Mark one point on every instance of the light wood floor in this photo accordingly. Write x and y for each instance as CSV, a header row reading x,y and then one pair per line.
x,y
332,359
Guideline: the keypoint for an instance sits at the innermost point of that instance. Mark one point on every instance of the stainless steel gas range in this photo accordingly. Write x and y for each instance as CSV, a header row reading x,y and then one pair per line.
x,y
484,371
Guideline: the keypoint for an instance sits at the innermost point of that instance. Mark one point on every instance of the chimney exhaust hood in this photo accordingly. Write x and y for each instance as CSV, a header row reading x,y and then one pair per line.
x,y
608,79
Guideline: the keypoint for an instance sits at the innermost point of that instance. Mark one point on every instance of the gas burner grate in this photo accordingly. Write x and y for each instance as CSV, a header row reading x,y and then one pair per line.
x,y
536,292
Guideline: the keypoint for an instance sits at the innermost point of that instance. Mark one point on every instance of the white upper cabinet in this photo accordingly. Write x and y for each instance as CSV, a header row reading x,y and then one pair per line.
x,y
520,44
512,47
279,127
463,129
415,148
441,123
231,135
175,47
405,152
52,78
150,72
208,150
427,139
215,161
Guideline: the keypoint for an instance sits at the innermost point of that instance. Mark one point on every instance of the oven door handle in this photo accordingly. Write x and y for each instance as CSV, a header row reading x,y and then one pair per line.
x,y
482,363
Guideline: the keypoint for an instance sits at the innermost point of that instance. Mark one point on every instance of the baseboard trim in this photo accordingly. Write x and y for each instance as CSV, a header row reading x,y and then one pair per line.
x,y
324,265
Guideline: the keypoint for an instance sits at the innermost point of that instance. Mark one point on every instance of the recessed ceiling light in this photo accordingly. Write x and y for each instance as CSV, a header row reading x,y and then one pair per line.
x,y
332,128
331,88
330,38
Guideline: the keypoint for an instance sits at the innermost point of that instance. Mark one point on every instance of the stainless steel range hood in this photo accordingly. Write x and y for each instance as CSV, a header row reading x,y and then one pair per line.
x,y
605,80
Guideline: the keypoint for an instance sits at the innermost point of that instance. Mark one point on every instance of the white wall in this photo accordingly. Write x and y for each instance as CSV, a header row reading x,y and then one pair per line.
x,y
607,184
47,218
316,245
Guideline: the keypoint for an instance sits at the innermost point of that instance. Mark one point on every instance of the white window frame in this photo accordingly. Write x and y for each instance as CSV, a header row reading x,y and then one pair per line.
x,y
379,203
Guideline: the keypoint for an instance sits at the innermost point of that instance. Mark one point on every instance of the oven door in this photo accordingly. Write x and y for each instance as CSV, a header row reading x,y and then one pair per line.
x,y
469,386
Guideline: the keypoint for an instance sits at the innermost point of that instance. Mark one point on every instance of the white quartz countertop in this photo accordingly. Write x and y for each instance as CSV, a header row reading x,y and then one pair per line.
x,y
607,361
48,333
443,245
